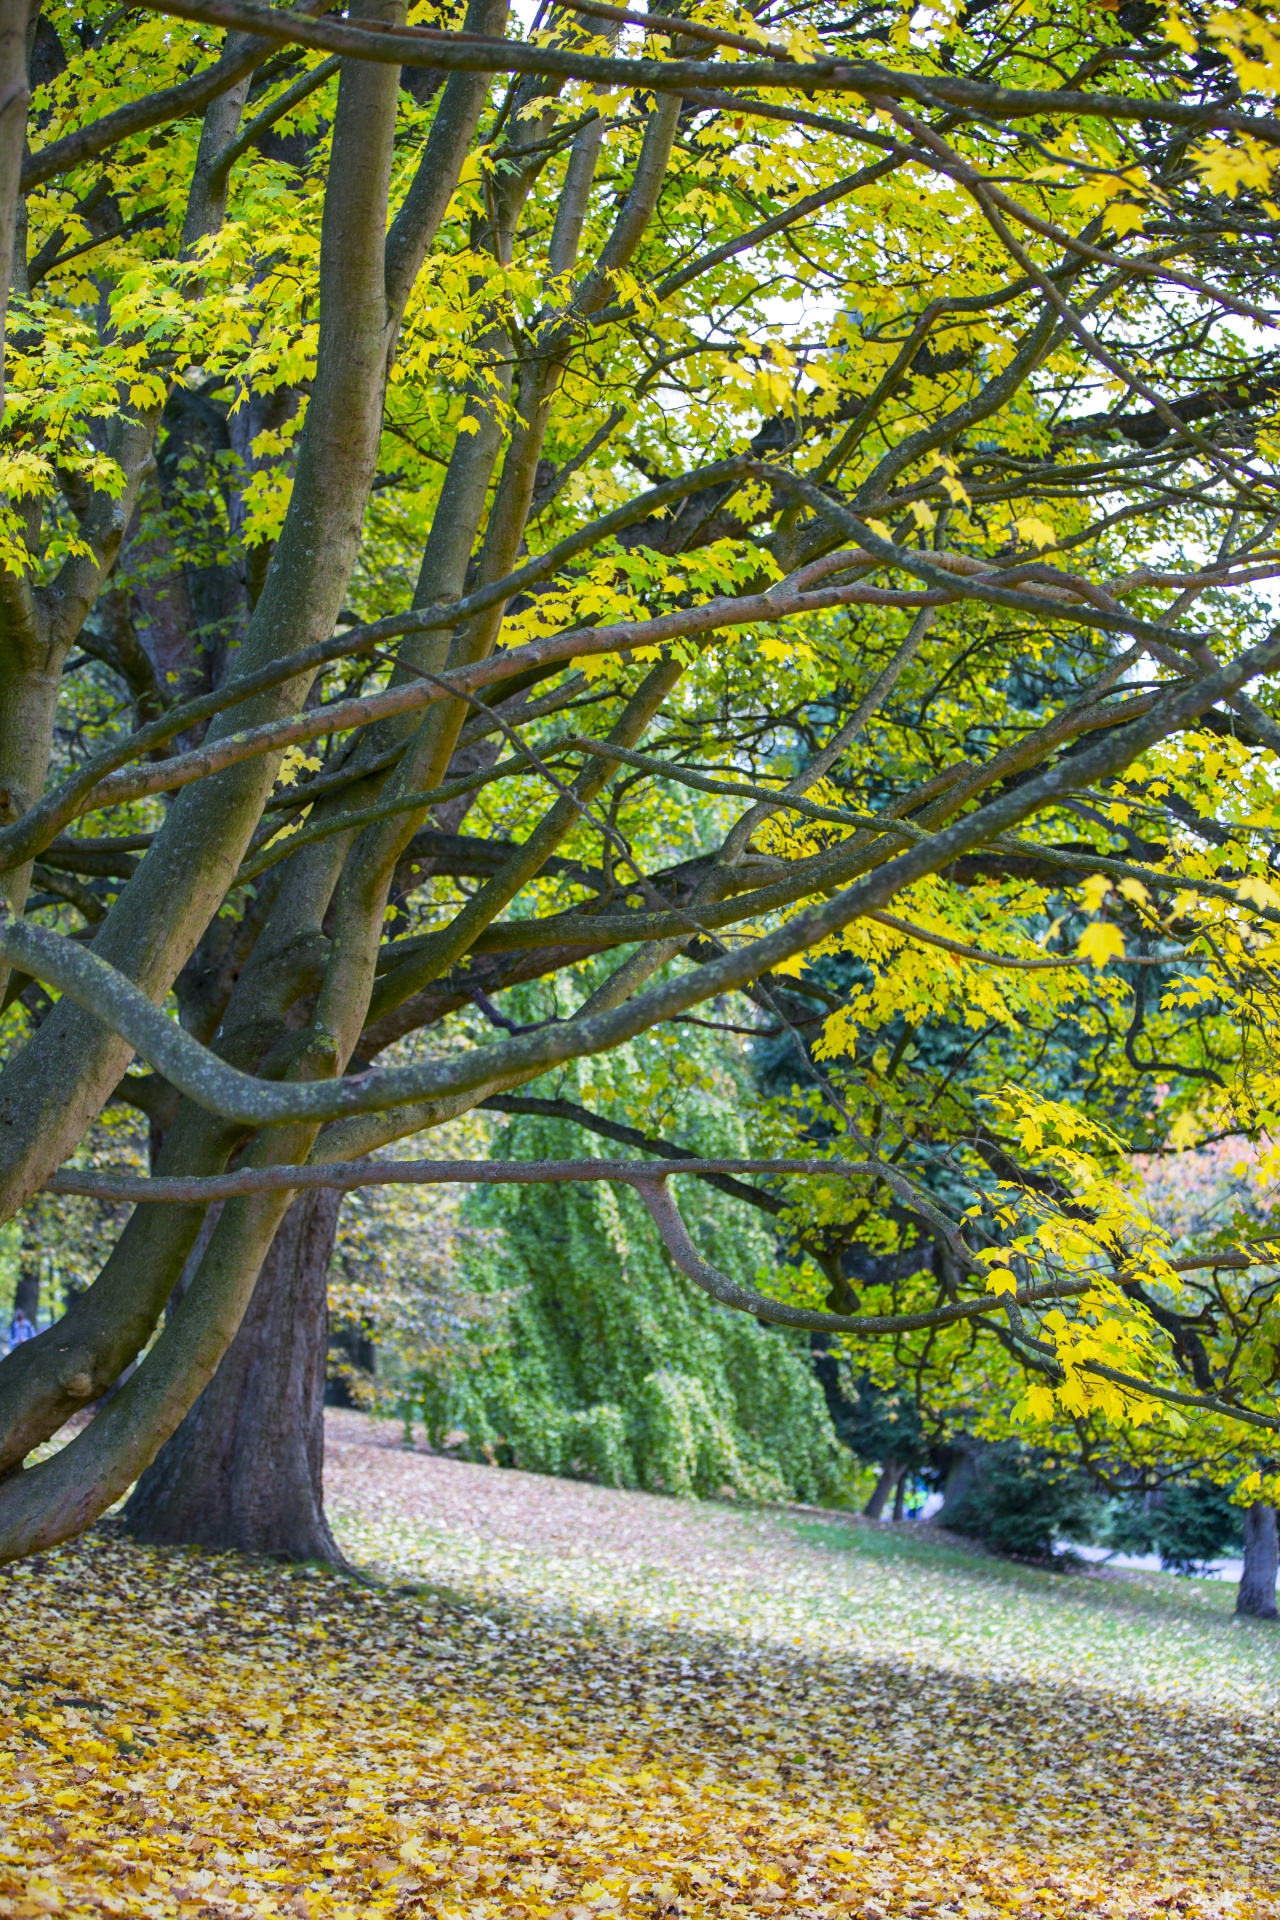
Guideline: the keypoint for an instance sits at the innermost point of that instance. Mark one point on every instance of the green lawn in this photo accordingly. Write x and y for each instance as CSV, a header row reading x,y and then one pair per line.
x,y
797,1579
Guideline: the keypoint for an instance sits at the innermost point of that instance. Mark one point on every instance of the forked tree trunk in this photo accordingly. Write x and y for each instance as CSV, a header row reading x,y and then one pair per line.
x,y
889,1479
1257,1591
244,1470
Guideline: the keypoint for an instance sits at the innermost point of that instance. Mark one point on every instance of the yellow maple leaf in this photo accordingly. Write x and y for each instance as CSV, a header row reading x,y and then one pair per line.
x,y
1040,1402
1184,1131
1177,30
1225,168
774,649
1101,942
1123,217
1036,533
294,762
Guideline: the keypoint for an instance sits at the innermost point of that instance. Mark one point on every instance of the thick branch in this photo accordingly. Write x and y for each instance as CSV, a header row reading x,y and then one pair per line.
x,y
98,987
423,47
152,110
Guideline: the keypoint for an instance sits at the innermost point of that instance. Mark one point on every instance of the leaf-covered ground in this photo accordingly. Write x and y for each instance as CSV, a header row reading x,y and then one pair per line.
x,y
590,1729
565,1548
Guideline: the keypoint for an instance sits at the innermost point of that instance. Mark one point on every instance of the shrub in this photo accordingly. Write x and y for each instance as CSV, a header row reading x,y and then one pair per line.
x,y
1189,1526
1022,1504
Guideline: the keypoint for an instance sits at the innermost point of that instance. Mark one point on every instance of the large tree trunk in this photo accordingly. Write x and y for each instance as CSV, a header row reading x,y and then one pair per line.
x,y
1257,1592
963,1471
244,1470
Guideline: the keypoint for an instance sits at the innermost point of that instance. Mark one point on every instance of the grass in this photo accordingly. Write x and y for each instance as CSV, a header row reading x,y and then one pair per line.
x,y
883,1592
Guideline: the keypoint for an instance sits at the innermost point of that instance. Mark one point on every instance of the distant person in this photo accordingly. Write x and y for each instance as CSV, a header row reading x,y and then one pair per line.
x,y
20,1329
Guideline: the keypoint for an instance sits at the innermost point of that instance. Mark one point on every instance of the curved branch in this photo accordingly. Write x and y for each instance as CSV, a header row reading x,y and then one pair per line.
x,y
153,110
180,102
926,568
183,770
649,1182
675,1237
107,1183
425,47
27,836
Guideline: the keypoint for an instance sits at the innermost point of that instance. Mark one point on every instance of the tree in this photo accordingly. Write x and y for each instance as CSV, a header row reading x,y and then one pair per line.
x,y
808,466
596,1360
1025,1505
1189,1526
879,1428
244,1470
1257,1591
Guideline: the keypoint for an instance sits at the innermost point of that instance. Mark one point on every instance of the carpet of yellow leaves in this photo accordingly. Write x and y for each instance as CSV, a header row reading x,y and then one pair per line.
x,y
189,1736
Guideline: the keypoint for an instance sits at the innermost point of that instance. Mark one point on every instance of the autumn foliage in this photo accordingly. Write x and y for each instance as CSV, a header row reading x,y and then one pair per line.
x,y
184,1737
520,536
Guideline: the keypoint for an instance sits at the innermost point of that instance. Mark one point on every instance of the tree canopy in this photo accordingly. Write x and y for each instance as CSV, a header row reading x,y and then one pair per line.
x,y
523,534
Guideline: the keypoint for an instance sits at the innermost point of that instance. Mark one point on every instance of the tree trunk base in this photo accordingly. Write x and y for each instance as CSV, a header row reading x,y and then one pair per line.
x,y
1256,1596
244,1471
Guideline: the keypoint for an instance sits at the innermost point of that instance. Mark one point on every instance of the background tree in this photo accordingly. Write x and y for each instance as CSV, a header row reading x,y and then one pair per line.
x,y
600,1359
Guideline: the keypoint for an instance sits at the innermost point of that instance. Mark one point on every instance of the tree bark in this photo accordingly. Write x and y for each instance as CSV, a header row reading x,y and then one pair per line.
x,y
884,1486
964,1468
300,602
243,1472
26,1294
1257,1591
15,18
